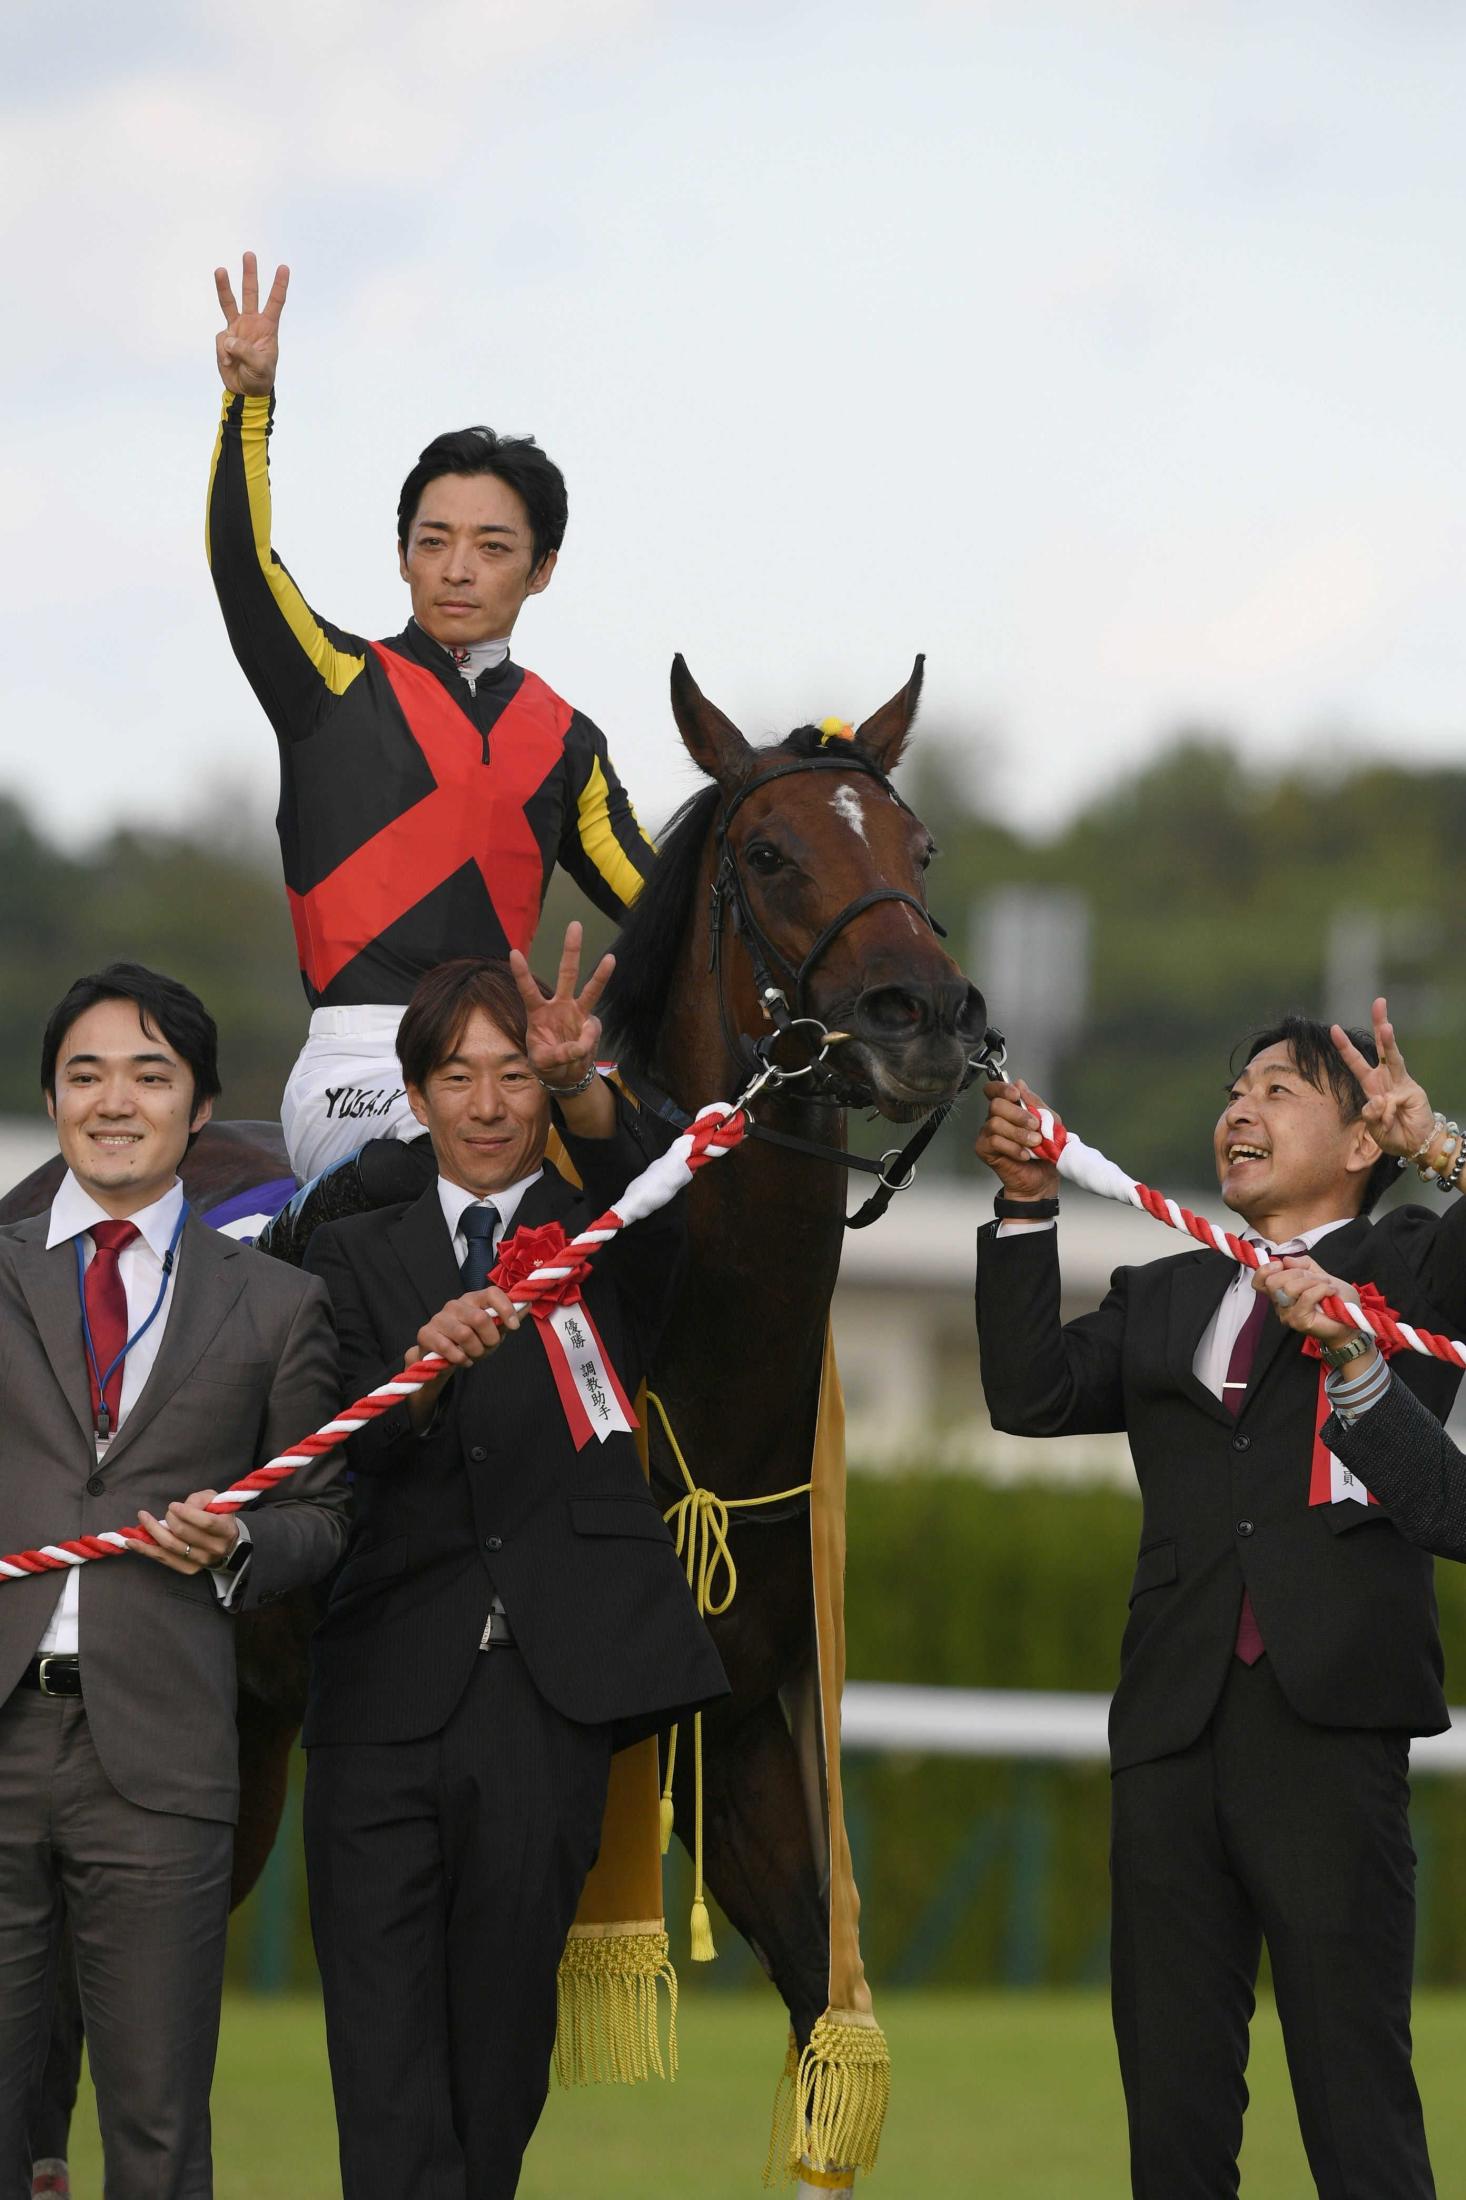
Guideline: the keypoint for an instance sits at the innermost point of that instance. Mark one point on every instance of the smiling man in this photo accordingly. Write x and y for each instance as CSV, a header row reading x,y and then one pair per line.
x,y
511,1609
141,1355
1282,1644
428,783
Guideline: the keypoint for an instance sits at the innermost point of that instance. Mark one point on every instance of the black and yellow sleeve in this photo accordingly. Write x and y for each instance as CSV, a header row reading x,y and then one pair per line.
x,y
601,844
296,664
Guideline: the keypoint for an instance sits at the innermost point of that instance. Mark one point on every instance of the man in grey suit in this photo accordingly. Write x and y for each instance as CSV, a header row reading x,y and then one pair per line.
x,y
141,1355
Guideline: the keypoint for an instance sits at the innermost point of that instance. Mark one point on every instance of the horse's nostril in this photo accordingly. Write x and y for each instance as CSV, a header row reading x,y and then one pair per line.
x,y
890,1012
972,1017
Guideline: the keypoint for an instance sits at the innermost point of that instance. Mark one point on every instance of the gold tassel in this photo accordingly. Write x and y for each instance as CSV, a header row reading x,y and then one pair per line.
x,y
667,1809
784,2135
700,1934
841,2089
608,2030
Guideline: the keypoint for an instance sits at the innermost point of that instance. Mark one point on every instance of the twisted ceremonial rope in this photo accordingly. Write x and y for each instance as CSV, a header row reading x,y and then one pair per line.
x,y
715,1130
1092,1172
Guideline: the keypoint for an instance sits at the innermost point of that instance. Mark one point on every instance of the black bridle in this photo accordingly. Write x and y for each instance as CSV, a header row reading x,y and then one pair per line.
x,y
794,1034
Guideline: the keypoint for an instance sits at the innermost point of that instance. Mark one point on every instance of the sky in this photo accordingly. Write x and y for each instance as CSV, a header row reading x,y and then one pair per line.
x,y
1111,354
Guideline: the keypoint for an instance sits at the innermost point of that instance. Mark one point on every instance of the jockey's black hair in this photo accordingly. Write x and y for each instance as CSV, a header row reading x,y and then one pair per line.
x,y
515,459
165,1008
1319,1062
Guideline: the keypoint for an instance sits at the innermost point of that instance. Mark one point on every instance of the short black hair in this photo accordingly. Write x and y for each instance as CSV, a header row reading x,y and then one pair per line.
x,y
436,1017
164,1006
515,459
1320,1063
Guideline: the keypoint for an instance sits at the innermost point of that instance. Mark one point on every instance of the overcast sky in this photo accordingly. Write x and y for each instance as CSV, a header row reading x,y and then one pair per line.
x,y
1112,354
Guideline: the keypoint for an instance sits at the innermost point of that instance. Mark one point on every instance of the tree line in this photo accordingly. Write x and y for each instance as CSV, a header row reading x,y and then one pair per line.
x,y
1218,894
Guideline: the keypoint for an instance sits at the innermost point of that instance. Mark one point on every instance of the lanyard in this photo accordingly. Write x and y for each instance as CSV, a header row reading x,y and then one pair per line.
x,y
104,1418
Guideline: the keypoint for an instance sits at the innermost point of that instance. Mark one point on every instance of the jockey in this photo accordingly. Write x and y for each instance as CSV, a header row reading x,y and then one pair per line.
x,y
428,784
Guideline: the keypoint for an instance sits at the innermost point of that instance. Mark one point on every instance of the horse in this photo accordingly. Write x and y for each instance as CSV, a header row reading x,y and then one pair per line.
x,y
787,903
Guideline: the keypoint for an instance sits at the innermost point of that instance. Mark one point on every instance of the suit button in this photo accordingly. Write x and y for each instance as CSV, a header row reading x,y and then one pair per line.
x,y
1244,1527
1241,1443
493,1543
477,1452
95,1485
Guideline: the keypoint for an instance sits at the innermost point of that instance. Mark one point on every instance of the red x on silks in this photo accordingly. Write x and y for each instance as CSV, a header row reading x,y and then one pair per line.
x,y
475,814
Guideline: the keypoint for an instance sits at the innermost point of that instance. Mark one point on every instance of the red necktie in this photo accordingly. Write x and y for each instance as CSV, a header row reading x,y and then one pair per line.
x,y
107,1317
1249,1645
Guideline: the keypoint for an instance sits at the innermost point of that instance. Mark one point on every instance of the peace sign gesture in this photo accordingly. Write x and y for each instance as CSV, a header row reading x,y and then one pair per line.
x,y
248,345
562,1033
1397,1114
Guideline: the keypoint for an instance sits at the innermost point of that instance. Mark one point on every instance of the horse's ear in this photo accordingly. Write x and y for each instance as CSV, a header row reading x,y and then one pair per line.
x,y
712,741
883,736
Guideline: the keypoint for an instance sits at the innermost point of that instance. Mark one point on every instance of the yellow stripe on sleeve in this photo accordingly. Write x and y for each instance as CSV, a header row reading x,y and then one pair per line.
x,y
598,838
335,666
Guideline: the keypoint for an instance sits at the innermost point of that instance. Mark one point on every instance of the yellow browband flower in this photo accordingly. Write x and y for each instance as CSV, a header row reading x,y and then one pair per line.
x,y
835,729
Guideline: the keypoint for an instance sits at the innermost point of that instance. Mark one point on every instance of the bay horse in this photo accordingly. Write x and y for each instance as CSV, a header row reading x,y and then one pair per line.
x,y
788,891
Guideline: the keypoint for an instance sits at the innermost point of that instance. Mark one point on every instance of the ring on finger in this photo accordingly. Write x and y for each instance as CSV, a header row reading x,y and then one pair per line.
x,y
1282,1298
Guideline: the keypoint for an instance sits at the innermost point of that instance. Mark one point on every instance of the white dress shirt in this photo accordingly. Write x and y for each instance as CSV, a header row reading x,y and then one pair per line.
x,y
140,1266
456,1202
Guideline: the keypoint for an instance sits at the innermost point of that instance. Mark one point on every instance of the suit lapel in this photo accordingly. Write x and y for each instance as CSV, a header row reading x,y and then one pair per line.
x,y
212,1270
1197,1288
421,1242
48,1280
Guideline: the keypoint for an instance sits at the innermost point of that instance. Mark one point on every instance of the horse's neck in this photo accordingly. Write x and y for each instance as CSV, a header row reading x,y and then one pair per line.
x,y
767,1225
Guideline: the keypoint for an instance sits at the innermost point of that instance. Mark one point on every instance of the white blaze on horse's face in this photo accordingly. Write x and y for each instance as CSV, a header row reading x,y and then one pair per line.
x,y
845,803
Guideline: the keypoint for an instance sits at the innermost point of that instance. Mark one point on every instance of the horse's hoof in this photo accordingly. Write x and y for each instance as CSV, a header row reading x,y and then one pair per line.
x,y
52,2178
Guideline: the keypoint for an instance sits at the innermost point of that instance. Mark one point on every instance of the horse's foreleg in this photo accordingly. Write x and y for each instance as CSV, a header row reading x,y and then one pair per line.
x,y
759,1862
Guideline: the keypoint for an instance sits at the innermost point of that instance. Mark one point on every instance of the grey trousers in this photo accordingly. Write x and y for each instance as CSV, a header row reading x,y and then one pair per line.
x,y
147,1894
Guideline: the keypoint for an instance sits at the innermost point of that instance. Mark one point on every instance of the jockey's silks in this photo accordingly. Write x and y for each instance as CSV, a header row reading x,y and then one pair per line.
x,y
420,815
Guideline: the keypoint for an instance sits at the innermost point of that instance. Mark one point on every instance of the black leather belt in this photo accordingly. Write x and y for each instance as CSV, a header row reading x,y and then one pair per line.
x,y
56,1674
498,1634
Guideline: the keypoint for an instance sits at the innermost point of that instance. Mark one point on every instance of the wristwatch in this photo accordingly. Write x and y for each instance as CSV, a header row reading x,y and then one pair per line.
x,y
1353,1348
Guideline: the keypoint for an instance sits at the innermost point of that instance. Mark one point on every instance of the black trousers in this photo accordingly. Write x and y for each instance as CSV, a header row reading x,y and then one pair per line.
x,y
444,1875
1267,1828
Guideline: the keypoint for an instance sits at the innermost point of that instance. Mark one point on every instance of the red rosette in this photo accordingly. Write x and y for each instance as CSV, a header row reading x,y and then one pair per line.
x,y
1373,1301
525,1250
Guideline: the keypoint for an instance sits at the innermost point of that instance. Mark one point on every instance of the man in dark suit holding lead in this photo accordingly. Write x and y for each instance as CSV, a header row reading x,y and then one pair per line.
x,y
1282,1644
511,1609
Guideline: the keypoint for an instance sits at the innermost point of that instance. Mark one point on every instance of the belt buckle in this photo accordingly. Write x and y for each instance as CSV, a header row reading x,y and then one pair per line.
x,y
54,1657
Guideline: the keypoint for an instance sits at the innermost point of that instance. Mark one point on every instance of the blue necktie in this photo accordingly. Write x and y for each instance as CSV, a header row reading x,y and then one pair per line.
x,y
478,1225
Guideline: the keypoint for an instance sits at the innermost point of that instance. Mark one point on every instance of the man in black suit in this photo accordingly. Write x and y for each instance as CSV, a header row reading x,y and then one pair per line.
x,y
1282,1644
511,1608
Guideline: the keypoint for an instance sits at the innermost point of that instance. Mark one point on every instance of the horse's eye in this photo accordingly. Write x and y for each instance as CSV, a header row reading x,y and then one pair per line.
x,y
764,859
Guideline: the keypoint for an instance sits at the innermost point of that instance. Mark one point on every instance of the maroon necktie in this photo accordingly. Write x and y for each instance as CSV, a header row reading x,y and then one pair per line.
x,y
1249,1644
107,1318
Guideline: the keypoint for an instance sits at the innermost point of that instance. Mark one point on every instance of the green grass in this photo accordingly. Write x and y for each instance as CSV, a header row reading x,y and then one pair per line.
x,y
1013,2097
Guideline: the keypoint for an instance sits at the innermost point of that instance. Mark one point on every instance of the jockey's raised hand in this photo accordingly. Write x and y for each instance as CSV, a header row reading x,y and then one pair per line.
x,y
1397,1113
248,345
562,1034
1007,1138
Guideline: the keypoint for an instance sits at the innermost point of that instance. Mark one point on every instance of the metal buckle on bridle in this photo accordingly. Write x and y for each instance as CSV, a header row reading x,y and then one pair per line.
x,y
896,1183
991,1057
805,1034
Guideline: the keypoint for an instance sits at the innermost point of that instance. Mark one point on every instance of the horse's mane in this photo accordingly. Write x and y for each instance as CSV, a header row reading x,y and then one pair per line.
x,y
635,1001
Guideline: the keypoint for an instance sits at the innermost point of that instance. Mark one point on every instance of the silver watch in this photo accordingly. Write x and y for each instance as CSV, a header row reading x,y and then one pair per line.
x,y
1353,1348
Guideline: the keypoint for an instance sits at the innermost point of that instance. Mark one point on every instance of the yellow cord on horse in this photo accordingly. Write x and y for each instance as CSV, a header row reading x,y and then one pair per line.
x,y
699,1522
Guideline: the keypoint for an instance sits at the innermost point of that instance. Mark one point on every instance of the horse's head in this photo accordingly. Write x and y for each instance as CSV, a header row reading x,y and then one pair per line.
x,y
818,864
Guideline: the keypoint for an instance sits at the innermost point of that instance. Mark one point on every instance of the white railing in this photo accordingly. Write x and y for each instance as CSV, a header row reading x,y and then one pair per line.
x,y
1018,1722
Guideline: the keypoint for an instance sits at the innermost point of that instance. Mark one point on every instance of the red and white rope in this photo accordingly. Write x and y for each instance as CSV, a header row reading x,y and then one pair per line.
x,y
1093,1172
717,1129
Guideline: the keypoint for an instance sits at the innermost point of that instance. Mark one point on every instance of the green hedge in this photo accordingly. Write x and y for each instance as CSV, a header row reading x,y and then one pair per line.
x,y
973,1872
